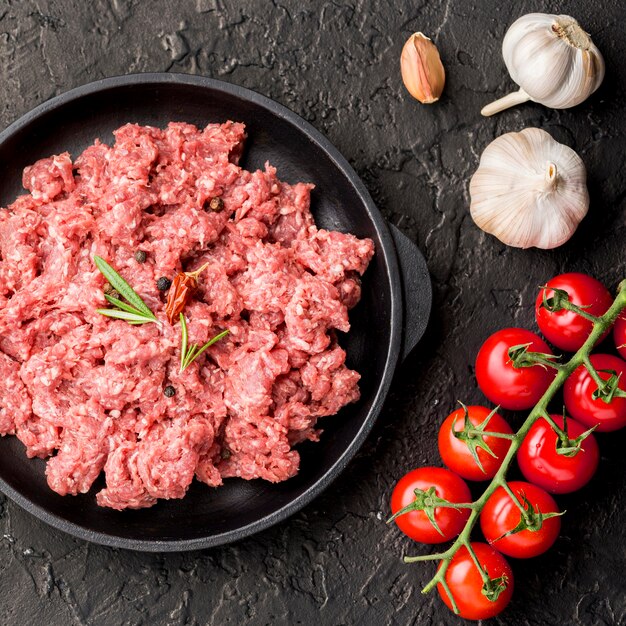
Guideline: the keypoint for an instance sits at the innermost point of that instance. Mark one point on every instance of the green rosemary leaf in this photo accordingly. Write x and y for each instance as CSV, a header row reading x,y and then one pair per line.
x,y
122,305
122,287
185,338
210,342
125,315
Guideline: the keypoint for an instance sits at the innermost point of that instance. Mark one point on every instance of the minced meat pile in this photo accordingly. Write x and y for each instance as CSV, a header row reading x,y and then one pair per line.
x,y
87,391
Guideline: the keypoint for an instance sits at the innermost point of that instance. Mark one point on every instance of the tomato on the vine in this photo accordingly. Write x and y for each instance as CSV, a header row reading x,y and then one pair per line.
x,y
580,388
566,329
620,335
542,464
512,387
474,599
460,451
506,530
447,486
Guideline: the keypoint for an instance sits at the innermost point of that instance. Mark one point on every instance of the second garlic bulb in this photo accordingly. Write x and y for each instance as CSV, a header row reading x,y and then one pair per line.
x,y
529,190
552,59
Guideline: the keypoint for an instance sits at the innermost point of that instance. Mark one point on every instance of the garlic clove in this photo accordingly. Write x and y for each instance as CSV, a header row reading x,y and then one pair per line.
x,y
422,71
529,190
552,59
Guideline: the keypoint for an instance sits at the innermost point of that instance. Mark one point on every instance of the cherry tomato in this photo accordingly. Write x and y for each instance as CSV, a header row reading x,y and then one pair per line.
x,y
448,486
466,583
542,465
565,329
580,386
514,388
500,515
456,453
620,335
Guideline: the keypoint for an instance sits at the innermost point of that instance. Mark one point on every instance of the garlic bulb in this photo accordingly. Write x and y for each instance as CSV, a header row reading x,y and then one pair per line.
x,y
529,190
552,59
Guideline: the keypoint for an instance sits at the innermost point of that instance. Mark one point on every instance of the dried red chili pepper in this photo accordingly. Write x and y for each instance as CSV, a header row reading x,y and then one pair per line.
x,y
182,287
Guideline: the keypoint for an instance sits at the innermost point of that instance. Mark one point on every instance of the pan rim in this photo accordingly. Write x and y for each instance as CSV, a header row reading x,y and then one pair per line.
x,y
392,275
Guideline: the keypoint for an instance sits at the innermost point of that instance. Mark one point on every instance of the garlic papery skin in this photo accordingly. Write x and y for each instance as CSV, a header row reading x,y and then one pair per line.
x,y
552,59
529,190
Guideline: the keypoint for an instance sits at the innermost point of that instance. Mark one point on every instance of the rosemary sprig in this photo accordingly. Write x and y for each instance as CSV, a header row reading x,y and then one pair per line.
x,y
136,311
189,353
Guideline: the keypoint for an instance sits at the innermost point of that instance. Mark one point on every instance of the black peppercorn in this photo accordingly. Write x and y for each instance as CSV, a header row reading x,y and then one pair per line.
x,y
140,256
109,291
164,283
225,453
169,391
216,204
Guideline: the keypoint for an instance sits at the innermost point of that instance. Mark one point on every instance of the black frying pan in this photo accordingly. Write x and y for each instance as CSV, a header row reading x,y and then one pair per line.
x,y
386,325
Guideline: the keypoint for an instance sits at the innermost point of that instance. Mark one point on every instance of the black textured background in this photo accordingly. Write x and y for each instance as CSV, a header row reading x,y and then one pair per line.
x,y
336,64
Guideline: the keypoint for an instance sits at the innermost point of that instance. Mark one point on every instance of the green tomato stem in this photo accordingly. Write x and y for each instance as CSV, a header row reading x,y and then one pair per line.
x,y
517,503
555,427
486,433
600,326
539,360
479,567
427,557
570,306
592,371
449,593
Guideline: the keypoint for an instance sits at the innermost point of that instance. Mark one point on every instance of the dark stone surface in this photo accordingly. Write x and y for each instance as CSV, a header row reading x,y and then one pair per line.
x,y
336,64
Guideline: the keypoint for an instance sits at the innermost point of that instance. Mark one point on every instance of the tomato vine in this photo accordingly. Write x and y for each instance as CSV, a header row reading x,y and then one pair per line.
x,y
601,325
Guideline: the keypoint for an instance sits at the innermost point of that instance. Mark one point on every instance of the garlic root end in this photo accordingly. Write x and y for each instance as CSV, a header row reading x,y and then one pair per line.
x,y
551,177
510,100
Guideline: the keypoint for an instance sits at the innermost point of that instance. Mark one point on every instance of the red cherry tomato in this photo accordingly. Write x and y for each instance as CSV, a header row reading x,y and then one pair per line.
x,y
565,329
466,583
580,386
514,388
501,515
456,453
448,486
542,465
620,335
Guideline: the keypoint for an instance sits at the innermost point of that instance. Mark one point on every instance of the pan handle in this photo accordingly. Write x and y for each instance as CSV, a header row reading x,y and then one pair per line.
x,y
417,291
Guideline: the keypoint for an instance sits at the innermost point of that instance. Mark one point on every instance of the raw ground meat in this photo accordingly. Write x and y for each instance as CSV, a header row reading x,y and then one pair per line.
x,y
87,390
